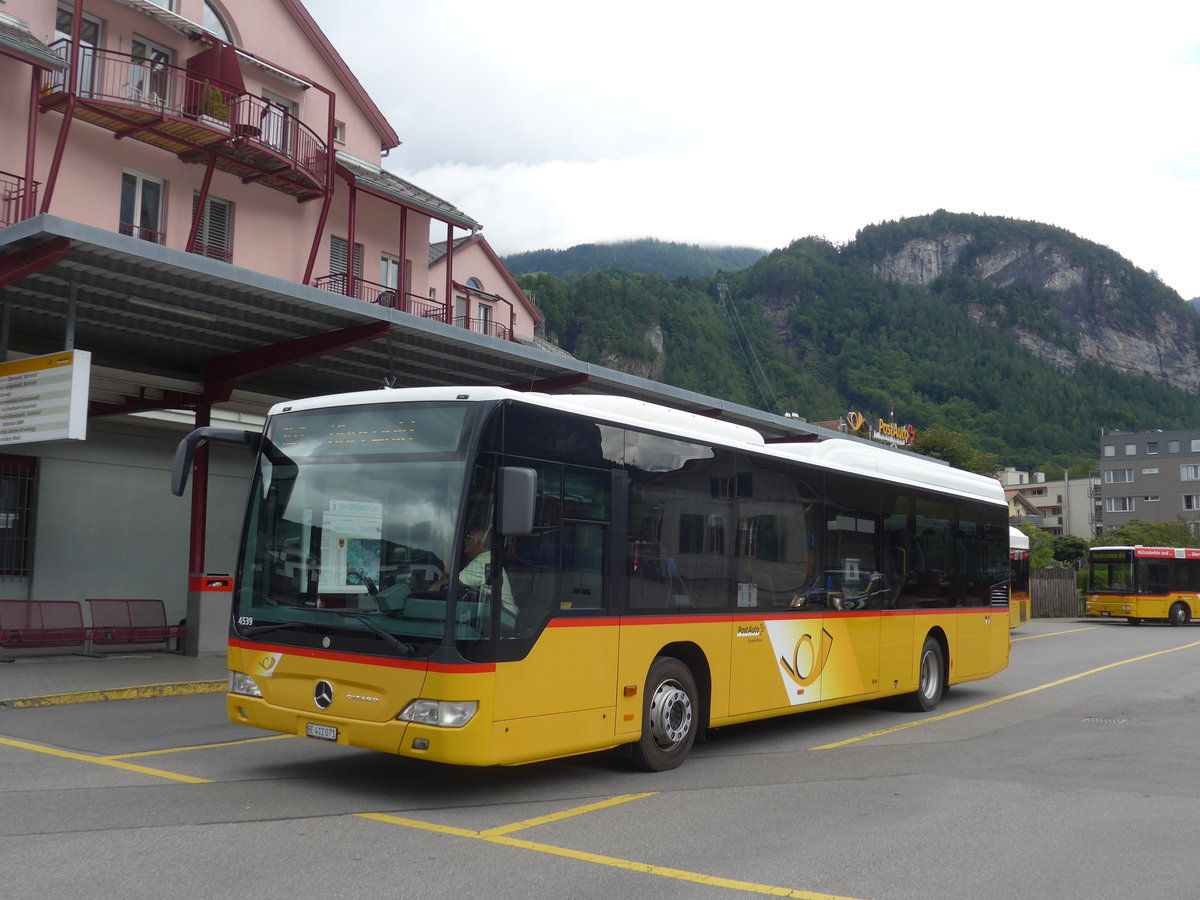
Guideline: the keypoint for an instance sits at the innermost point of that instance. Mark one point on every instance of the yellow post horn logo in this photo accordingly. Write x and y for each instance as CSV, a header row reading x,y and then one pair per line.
x,y
819,655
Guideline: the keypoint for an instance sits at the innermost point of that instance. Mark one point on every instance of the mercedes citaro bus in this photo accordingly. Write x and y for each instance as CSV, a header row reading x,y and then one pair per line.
x,y
478,576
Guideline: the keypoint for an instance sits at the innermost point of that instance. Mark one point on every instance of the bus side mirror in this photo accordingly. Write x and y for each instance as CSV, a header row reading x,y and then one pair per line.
x,y
186,450
518,492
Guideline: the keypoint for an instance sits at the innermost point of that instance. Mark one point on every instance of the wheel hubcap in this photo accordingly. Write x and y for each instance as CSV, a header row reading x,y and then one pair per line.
x,y
670,714
930,676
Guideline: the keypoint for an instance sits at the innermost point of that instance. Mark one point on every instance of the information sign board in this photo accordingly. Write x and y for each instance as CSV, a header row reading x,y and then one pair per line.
x,y
45,398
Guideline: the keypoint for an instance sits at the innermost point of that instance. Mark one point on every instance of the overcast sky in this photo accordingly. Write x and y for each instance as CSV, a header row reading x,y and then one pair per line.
x,y
755,123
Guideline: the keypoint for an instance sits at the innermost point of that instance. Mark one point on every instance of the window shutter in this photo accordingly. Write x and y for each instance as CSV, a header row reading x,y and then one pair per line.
x,y
214,238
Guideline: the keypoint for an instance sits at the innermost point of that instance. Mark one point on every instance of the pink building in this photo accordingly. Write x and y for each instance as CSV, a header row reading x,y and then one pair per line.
x,y
235,131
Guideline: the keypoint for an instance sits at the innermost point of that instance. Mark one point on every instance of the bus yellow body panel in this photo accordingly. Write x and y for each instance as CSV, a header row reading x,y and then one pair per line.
x,y
1133,606
560,700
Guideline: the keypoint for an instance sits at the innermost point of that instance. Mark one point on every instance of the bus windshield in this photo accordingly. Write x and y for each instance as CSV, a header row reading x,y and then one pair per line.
x,y
352,523
1111,571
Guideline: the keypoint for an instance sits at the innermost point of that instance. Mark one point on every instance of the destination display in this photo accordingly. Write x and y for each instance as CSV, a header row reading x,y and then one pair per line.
x,y
45,398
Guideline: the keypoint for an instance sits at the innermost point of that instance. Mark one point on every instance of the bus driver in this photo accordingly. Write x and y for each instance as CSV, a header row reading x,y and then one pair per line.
x,y
477,574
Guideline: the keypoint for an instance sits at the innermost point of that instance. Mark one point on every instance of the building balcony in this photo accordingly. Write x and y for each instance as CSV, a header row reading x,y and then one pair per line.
x,y
414,304
194,117
13,194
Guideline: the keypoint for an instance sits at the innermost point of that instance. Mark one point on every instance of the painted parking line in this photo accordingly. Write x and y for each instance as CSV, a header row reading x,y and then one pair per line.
x,y
1032,637
995,701
216,746
140,692
502,835
101,761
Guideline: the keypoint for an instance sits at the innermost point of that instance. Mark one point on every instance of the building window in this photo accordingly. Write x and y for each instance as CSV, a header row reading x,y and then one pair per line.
x,y
339,132
142,207
1151,447
278,123
89,40
18,483
1172,446
1118,476
483,321
339,266
149,74
215,237
1110,449
1118,504
389,271
1150,470
1191,502
1196,446
214,22
1189,473
1153,498
1130,449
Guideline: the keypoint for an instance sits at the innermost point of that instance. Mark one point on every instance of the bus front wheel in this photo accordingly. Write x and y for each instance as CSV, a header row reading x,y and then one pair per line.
x,y
1179,614
931,680
669,708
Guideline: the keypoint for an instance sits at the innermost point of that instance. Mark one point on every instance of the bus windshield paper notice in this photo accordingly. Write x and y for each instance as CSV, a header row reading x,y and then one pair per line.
x,y
45,398
350,544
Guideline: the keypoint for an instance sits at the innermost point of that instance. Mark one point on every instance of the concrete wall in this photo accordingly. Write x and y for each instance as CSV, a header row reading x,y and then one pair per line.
x,y
108,526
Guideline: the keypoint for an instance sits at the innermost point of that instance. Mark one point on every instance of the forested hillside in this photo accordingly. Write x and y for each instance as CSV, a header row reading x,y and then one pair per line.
x,y
648,256
979,325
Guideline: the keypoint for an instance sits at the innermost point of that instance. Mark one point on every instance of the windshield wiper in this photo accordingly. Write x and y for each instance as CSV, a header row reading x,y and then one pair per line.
x,y
391,639
263,629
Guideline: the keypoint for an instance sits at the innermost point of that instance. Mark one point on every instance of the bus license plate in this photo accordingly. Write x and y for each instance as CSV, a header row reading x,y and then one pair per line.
x,y
320,732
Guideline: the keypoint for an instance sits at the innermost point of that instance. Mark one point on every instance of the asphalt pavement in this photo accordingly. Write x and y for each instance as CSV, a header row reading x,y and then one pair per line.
x,y
60,679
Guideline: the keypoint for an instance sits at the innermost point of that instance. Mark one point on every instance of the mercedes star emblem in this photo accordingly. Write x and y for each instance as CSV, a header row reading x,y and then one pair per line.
x,y
323,695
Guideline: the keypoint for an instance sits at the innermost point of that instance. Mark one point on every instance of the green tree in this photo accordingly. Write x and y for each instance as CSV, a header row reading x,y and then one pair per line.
x,y
1148,534
1069,549
954,448
1041,546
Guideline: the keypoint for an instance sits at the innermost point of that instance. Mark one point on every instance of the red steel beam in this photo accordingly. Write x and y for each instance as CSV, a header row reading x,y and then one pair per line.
x,y
222,372
30,260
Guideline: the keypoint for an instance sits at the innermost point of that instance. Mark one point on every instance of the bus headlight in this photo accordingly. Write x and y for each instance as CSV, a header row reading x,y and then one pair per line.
x,y
444,713
241,683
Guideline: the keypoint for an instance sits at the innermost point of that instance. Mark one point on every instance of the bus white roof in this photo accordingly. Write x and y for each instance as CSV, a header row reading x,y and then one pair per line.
x,y
839,454
1017,539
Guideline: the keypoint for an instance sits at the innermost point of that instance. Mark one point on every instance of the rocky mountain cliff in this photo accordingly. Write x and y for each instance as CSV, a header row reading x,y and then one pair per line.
x,y
1023,337
1082,295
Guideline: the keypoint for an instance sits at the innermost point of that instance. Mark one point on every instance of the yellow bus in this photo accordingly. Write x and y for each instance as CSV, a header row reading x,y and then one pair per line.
x,y
478,576
1143,583
1018,588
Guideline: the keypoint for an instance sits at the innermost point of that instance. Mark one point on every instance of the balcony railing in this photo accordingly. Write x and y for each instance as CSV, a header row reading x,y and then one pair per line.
x,y
414,304
12,198
141,232
191,116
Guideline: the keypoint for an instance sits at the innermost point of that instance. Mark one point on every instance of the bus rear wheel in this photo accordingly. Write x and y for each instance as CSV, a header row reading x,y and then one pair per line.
x,y
1179,614
669,708
931,680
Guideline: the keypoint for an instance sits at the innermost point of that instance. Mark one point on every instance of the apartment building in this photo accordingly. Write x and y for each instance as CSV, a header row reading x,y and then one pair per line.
x,y
1065,506
193,189
1153,476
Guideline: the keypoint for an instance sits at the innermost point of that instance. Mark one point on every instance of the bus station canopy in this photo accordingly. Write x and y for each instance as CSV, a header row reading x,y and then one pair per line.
x,y
172,330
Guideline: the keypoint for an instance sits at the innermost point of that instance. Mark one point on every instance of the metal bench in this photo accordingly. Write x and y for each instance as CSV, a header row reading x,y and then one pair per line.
x,y
41,623
123,621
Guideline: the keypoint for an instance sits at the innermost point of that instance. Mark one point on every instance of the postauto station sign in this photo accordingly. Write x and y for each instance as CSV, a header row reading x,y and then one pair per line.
x,y
888,432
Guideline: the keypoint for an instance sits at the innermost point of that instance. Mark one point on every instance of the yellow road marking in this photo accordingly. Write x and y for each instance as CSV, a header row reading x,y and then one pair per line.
x,y
500,836
257,740
101,761
129,693
566,814
1031,637
993,702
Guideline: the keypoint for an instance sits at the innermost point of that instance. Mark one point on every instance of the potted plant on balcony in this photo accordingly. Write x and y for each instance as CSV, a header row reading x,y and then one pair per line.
x,y
214,108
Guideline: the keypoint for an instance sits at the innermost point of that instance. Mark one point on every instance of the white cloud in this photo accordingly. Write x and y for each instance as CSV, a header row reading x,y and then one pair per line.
x,y
760,122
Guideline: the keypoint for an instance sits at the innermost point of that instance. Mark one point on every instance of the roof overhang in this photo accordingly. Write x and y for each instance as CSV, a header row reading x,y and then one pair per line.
x,y
168,326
